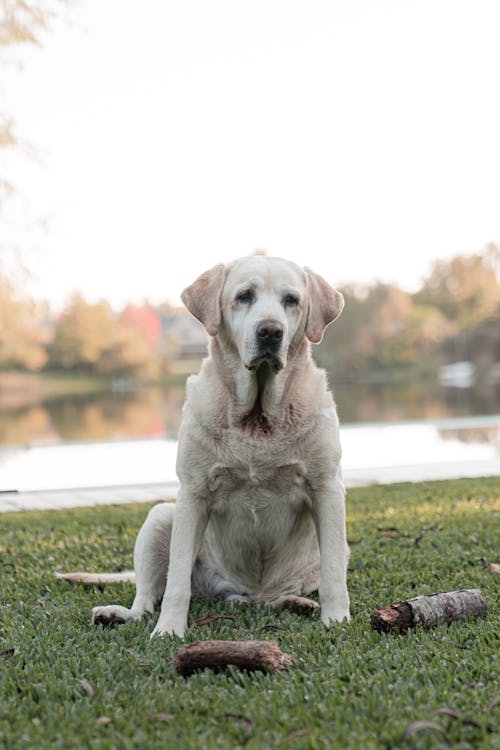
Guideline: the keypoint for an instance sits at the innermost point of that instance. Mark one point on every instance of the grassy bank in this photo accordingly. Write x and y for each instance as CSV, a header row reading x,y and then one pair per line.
x,y
349,688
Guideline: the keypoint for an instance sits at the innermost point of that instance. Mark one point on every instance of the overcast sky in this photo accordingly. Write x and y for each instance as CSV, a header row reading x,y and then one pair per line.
x,y
359,137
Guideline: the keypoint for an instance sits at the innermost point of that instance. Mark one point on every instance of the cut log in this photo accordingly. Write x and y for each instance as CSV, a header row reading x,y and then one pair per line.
x,y
264,656
428,611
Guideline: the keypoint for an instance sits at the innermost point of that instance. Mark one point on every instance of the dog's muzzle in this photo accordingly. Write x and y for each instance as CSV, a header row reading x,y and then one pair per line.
x,y
269,338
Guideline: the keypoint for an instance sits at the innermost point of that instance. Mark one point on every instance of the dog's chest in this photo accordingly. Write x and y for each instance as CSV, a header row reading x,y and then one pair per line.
x,y
256,472
260,521
226,478
257,489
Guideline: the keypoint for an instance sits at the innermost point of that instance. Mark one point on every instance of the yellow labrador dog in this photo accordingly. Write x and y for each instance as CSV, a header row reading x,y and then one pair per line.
x,y
260,515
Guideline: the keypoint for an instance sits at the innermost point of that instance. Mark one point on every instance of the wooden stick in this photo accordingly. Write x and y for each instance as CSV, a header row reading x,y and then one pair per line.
x,y
252,655
428,611
98,579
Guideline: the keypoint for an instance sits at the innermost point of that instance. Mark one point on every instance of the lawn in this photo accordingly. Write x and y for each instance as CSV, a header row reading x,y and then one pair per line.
x,y
68,685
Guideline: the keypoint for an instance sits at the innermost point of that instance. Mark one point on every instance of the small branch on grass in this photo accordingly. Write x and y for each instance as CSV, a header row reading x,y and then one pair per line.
x,y
270,626
428,611
98,579
265,656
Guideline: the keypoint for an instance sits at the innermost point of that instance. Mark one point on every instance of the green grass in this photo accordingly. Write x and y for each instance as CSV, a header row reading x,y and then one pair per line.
x,y
349,687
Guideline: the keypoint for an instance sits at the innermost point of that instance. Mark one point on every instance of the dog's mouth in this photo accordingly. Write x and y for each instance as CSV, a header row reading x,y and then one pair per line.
x,y
269,359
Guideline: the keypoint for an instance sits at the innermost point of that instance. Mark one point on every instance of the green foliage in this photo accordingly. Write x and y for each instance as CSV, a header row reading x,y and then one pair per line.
x,y
91,338
83,333
382,327
466,288
349,687
385,327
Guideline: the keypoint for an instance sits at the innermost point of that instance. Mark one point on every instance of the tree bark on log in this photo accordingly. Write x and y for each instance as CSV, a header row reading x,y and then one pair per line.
x,y
428,611
265,656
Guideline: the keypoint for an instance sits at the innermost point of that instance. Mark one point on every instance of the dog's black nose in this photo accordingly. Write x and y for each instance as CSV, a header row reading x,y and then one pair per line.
x,y
269,333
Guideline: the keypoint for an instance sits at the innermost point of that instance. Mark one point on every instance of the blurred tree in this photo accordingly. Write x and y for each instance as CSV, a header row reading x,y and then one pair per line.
x,y
132,354
136,349
426,327
144,319
340,350
400,331
84,333
381,327
21,22
23,334
24,21
466,288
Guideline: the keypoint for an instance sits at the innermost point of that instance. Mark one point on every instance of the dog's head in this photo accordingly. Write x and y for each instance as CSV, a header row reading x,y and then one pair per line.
x,y
263,306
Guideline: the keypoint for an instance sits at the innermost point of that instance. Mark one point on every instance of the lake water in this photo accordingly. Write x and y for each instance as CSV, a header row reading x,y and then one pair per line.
x,y
389,433
156,412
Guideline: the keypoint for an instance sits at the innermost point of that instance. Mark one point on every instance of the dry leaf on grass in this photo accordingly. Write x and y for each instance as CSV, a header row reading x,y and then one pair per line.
x,y
297,735
244,719
161,716
141,663
494,703
452,714
212,618
421,726
391,532
492,567
9,653
87,687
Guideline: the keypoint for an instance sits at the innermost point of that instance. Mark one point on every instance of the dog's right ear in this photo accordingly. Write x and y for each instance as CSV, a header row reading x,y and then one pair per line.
x,y
202,298
325,305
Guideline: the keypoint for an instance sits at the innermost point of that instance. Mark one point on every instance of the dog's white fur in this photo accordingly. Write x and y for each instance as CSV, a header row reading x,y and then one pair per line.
x,y
260,514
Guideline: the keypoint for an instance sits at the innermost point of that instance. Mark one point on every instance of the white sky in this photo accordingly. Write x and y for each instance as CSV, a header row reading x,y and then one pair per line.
x,y
360,137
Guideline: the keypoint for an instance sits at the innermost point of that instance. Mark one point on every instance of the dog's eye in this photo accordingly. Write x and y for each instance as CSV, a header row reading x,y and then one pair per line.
x,y
290,300
246,297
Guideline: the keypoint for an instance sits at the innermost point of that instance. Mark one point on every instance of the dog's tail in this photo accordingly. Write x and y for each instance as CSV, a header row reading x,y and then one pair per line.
x,y
98,579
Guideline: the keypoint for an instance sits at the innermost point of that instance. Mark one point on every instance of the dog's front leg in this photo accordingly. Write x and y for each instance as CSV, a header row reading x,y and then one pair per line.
x,y
330,521
190,522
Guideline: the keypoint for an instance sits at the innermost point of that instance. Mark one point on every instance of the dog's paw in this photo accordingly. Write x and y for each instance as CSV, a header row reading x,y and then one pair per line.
x,y
169,628
330,617
300,605
110,616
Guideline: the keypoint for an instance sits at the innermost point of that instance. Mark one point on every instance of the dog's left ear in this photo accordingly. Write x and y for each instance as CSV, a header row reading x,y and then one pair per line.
x,y
325,304
202,298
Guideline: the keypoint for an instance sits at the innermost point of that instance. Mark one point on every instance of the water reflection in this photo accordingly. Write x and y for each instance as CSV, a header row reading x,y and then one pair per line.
x,y
399,402
156,412
149,413
153,412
